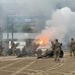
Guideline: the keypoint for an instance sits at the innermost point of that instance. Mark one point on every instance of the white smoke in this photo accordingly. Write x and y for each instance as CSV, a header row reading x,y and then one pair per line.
x,y
62,23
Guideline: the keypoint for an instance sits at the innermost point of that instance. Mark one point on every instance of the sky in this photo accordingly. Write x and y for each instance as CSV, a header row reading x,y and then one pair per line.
x,y
35,7
7,1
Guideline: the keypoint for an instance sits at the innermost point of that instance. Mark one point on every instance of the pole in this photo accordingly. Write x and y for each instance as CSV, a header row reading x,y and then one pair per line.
x,y
12,28
7,34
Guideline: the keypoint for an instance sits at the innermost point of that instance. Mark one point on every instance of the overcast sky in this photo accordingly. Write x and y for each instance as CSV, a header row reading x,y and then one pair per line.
x,y
35,7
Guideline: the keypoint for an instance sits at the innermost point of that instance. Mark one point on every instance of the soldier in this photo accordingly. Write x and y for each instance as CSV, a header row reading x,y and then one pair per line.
x,y
39,53
13,47
0,50
57,50
24,53
52,45
72,46
34,47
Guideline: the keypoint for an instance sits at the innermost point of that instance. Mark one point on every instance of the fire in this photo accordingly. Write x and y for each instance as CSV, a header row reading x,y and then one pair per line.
x,y
41,42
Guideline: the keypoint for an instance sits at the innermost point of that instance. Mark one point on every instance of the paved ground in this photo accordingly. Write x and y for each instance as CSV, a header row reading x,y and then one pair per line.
x,y
11,65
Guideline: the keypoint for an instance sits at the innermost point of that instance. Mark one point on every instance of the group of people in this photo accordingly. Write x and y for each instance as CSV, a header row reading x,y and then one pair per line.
x,y
57,47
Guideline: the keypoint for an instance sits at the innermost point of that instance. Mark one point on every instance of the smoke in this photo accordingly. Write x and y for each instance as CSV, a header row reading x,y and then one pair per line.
x,y
61,25
62,19
34,7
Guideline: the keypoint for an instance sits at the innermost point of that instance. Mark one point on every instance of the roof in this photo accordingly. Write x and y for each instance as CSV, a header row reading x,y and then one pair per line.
x,y
21,35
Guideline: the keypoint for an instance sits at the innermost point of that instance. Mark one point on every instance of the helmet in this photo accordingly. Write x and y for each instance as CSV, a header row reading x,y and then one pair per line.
x,y
56,39
72,39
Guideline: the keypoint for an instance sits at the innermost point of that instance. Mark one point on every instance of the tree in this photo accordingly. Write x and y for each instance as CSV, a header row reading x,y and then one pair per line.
x,y
27,28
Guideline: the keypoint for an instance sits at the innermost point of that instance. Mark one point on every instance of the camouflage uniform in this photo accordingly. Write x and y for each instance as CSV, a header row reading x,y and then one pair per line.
x,y
52,45
72,46
24,52
33,47
0,50
57,50
13,47
39,53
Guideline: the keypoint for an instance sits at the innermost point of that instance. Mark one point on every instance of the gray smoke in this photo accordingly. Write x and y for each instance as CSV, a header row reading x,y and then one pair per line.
x,y
61,25
60,18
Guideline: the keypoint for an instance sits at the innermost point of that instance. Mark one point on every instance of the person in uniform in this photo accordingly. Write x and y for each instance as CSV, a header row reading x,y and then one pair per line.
x,y
52,45
39,53
72,46
24,52
57,50
33,48
1,48
13,47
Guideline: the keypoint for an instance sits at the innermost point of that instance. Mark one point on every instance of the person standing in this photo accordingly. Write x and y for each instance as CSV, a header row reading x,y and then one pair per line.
x,y
57,50
1,49
39,53
52,45
13,47
72,46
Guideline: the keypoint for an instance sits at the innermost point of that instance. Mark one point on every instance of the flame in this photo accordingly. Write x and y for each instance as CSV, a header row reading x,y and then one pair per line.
x,y
41,42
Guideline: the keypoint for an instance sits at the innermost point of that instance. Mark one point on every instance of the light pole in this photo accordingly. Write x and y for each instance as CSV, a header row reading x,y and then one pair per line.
x,y
13,23
12,28
10,25
7,33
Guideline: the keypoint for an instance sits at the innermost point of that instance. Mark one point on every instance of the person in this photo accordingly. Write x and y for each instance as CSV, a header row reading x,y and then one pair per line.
x,y
13,47
24,52
72,46
33,48
1,49
39,53
57,50
52,45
